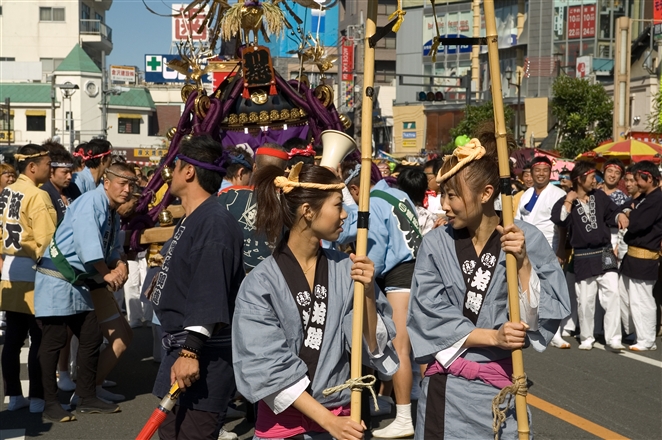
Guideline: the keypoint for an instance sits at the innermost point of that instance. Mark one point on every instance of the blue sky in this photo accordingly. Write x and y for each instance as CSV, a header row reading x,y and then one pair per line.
x,y
137,32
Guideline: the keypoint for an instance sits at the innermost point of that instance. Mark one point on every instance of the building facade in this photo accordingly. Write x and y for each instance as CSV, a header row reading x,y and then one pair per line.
x,y
538,41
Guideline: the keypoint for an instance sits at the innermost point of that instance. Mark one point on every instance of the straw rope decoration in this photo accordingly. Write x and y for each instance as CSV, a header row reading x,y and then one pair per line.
x,y
287,184
23,157
465,154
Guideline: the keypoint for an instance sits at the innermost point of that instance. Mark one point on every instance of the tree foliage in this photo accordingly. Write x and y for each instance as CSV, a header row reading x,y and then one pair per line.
x,y
655,116
584,112
474,116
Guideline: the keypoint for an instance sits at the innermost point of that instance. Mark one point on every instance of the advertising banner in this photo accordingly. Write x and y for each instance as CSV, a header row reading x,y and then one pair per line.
x,y
184,26
123,74
156,70
347,60
581,22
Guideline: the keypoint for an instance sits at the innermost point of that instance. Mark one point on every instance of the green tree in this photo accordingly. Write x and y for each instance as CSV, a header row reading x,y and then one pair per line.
x,y
655,117
474,116
584,113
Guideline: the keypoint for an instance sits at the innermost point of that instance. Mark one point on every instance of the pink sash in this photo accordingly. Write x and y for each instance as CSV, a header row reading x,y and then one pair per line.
x,y
289,423
497,373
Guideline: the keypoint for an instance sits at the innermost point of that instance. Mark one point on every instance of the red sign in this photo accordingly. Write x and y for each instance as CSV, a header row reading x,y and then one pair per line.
x,y
657,11
581,22
183,26
347,60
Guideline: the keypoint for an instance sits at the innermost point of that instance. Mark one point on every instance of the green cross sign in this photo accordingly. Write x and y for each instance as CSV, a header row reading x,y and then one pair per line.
x,y
154,64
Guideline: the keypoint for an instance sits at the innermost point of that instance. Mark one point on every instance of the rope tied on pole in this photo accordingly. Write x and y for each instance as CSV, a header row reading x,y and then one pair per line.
x,y
518,388
356,384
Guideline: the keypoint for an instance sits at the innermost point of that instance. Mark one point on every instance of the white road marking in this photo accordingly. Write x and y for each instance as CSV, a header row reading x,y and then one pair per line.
x,y
637,357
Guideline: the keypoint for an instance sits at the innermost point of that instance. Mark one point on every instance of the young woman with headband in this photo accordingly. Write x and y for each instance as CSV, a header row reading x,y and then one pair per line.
x,y
458,322
293,314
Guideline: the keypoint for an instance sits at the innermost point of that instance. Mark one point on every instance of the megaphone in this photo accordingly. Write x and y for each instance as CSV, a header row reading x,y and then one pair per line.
x,y
336,145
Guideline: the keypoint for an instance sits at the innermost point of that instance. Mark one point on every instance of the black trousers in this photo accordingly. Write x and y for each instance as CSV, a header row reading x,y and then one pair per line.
x,y
189,424
19,326
85,326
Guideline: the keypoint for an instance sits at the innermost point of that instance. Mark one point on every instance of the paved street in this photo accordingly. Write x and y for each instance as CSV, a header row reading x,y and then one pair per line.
x,y
607,395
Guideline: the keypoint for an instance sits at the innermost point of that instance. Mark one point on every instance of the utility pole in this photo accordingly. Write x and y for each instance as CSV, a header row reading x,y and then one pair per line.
x,y
8,120
52,105
104,104
622,79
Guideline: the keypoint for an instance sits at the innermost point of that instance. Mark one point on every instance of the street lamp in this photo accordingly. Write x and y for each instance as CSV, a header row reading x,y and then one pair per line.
x,y
70,88
518,85
522,129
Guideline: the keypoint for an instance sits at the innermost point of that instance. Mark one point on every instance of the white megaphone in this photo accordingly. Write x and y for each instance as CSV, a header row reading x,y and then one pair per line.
x,y
336,145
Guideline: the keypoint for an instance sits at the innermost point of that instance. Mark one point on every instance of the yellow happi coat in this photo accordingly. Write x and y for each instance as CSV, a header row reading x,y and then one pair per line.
x,y
28,223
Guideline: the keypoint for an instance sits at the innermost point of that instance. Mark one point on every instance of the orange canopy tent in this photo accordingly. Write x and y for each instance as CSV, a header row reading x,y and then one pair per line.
x,y
626,150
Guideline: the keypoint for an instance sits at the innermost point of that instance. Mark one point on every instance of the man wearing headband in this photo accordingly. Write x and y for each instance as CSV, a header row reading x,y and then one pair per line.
x,y
193,294
62,194
27,224
535,206
239,169
588,214
639,269
83,260
96,157
59,185
271,154
299,150
242,204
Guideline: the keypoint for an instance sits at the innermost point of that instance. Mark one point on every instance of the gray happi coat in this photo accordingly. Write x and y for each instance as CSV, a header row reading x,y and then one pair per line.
x,y
436,322
267,334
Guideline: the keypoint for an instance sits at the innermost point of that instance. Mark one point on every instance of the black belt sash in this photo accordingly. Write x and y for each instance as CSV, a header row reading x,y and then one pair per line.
x,y
312,307
477,272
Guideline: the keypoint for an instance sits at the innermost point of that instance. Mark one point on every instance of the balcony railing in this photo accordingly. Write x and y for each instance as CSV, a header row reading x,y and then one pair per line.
x,y
96,27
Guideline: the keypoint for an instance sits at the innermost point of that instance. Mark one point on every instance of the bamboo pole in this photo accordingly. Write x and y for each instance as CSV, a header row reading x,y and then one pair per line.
x,y
506,201
364,200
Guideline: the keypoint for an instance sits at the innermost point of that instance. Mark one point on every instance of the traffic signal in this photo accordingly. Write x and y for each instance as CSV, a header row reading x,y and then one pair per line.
x,y
430,96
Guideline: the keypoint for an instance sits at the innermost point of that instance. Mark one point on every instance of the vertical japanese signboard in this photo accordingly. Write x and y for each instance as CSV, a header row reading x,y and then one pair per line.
x,y
347,60
581,22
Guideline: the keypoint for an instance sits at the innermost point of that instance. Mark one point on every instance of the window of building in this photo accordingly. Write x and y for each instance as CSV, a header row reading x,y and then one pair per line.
x,y
51,14
85,12
152,125
49,65
3,120
98,17
7,59
0,10
129,124
36,121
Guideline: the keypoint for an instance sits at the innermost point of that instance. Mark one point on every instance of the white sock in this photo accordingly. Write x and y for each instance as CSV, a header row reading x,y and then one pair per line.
x,y
403,412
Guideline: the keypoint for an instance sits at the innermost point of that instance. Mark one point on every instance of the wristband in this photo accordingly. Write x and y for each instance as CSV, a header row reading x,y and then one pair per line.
x,y
196,351
188,355
195,341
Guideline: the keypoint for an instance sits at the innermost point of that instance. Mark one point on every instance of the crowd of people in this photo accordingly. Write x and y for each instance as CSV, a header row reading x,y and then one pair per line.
x,y
257,303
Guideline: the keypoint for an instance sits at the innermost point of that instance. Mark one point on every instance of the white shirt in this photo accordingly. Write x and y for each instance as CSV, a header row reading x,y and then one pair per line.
x,y
541,215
